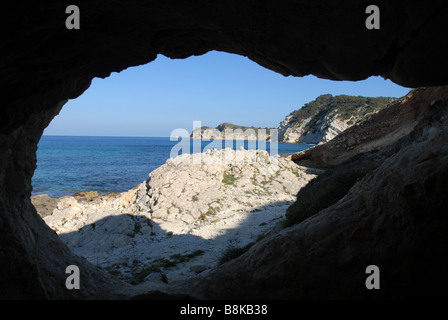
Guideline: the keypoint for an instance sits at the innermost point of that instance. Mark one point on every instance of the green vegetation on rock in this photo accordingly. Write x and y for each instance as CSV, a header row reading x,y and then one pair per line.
x,y
229,179
317,115
346,106
234,252
330,192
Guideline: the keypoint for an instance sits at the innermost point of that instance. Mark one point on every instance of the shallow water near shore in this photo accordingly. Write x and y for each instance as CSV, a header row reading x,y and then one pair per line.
x,y
70,164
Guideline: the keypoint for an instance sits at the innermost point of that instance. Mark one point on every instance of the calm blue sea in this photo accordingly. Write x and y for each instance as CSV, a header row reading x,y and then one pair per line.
x,y
68,164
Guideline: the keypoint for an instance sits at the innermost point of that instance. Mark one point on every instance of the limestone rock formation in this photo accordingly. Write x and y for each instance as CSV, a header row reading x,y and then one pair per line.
x,y
44,204
193,202
294,132
229,131
394,218
381,129
44,65
324,118
316,122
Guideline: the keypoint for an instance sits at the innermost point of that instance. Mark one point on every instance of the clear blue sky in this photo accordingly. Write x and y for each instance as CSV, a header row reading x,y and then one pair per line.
x,y
156,98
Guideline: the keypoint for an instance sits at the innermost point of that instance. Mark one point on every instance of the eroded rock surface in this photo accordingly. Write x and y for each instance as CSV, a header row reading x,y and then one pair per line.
x,y
327,116
44,65
394,218
202,202
381,129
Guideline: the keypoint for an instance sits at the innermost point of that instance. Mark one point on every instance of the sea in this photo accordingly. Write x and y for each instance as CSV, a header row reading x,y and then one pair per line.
x,y
70,164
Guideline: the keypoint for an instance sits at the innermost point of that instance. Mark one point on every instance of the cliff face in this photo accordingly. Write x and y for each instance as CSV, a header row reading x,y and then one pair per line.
x,y
381,129
326,117
229,131
326,128
392,217
318,121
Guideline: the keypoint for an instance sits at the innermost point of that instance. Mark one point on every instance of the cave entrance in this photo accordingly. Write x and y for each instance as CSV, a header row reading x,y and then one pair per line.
x,y
94,158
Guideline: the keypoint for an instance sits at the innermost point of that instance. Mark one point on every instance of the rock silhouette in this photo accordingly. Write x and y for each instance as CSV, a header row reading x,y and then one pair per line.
x,y
394,215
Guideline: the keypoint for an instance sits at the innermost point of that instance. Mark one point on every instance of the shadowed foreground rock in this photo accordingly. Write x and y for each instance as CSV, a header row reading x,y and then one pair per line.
x,y
184,217
44,65
394,218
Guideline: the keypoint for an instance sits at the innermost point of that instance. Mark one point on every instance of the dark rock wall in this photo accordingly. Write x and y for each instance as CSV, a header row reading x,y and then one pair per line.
x,y
32,258
393,218
43,64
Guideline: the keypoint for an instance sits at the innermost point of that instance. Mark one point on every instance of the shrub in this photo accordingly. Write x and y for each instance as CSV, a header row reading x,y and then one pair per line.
x,y
229,179
234,252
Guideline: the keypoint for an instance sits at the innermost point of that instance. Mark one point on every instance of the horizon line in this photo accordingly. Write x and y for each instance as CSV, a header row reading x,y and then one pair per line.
x,y
101,136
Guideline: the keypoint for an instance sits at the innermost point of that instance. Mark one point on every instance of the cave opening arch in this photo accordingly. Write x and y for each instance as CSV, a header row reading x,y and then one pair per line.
x,y
45,66
106,89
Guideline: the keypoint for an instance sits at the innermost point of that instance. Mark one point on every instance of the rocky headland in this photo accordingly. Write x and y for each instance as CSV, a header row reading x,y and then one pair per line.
x,y
202,224
316,122
230,131
379,130
393,217
381,202
327,116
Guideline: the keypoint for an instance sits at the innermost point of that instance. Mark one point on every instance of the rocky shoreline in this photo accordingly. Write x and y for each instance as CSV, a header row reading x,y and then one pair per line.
x,y
171,233
184,219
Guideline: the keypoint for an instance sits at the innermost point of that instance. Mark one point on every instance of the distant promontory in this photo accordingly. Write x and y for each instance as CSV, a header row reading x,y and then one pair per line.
x,y
317,121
